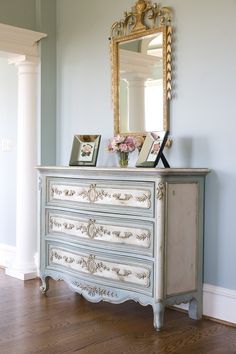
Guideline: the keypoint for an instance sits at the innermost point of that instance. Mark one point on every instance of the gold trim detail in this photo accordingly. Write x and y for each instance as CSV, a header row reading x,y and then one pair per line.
x,y
93,290
168,63
121,198
93,231
142,275
143,198
68,226
93,194
124,273
144,236
93,267
55,255
121,274
126,234
144,19
66,192
142,16
161,191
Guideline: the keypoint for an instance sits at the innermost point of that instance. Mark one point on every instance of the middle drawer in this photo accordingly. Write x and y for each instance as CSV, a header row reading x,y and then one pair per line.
x,y
116,233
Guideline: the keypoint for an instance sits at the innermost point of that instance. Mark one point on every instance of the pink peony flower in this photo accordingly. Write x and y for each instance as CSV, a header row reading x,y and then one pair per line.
x,y
124,143
123,147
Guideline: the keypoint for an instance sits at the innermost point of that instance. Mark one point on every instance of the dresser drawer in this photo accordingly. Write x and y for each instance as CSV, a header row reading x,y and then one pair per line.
x,y
131,197
94,265
115,233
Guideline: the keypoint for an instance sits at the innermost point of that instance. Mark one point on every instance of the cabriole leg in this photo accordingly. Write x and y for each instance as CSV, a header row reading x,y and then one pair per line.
x,y
158,315
45,285
195,309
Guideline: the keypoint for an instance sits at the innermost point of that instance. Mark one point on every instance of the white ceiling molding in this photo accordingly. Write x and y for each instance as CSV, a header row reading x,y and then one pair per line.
x,y
15,40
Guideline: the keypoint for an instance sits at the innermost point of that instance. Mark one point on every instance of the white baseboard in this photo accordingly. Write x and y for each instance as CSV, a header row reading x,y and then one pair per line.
x,y
22,275
7,255
218,303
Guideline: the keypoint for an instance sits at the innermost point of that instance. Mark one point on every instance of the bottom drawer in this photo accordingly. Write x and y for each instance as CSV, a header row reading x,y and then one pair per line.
x,y
116,269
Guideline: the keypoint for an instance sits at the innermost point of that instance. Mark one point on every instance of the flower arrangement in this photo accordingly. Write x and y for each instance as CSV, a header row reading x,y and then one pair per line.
x,y
125,143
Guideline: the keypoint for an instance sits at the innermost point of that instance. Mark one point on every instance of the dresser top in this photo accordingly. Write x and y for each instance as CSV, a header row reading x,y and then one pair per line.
x,y
74,170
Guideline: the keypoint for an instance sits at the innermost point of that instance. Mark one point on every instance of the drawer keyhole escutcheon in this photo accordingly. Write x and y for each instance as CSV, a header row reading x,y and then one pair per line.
x,y
91,229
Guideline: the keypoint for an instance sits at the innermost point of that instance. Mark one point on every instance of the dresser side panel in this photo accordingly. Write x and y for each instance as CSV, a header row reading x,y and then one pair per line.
x,y
182,237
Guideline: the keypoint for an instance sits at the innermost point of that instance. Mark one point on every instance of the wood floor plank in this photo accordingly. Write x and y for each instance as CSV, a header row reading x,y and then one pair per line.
x,y
64,323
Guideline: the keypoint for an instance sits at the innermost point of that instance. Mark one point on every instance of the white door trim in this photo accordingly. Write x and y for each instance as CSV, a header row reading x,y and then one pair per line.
x,y
20,46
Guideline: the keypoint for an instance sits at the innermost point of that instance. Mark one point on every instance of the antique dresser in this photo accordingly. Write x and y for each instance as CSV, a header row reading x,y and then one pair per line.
x,y
118,234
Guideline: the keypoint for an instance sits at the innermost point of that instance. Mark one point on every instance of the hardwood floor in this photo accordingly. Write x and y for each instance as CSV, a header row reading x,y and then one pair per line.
x,y
64,322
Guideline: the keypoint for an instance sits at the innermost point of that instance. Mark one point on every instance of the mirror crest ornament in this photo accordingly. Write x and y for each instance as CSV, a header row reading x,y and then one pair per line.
x,y
143,23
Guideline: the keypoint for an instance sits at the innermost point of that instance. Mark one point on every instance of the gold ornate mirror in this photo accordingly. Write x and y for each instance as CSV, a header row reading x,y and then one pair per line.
x,y
141,69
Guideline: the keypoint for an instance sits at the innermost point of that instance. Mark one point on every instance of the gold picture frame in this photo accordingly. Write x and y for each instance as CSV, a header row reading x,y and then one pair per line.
x,y
84,150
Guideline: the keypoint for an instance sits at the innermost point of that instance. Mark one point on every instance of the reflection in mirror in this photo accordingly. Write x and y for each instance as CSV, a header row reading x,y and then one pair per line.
x,y
141,84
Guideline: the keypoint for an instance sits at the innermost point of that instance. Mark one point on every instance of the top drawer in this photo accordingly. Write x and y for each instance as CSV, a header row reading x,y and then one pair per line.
x,y
131,197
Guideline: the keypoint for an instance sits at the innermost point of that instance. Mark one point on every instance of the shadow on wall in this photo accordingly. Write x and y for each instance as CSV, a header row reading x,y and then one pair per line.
x,y
187,152
212,227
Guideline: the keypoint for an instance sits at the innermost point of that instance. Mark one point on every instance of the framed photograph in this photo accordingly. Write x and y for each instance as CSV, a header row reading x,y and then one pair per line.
x,y
85,150
152,150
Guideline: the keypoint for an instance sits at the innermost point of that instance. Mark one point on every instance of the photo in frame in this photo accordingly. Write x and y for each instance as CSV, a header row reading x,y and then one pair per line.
x,y
152,150
85,150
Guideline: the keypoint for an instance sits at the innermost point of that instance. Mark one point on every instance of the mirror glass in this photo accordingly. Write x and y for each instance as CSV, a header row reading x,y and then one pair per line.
x,y
141,84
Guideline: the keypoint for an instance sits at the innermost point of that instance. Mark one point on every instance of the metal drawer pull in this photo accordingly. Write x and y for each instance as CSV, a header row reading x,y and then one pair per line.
x,y
68,226
121,198
121,273
119,235
69,192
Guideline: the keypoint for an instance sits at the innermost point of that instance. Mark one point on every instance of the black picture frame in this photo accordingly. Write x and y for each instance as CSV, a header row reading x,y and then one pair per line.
x,y
152,150
84,150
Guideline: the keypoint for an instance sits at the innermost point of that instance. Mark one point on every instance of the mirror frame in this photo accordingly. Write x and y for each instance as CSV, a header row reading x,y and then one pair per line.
x,y
143,20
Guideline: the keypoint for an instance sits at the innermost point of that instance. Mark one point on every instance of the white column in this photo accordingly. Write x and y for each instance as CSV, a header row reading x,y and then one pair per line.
x,y
136,104
26,196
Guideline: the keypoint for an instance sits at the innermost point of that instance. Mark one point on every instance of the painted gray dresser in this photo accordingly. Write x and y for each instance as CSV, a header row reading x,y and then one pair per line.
x,y
118,234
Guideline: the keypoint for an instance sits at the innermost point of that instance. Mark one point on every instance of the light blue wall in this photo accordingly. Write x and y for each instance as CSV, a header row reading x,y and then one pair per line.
x,y
203,121
8,131
46,23
84,91
203,109
19,13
